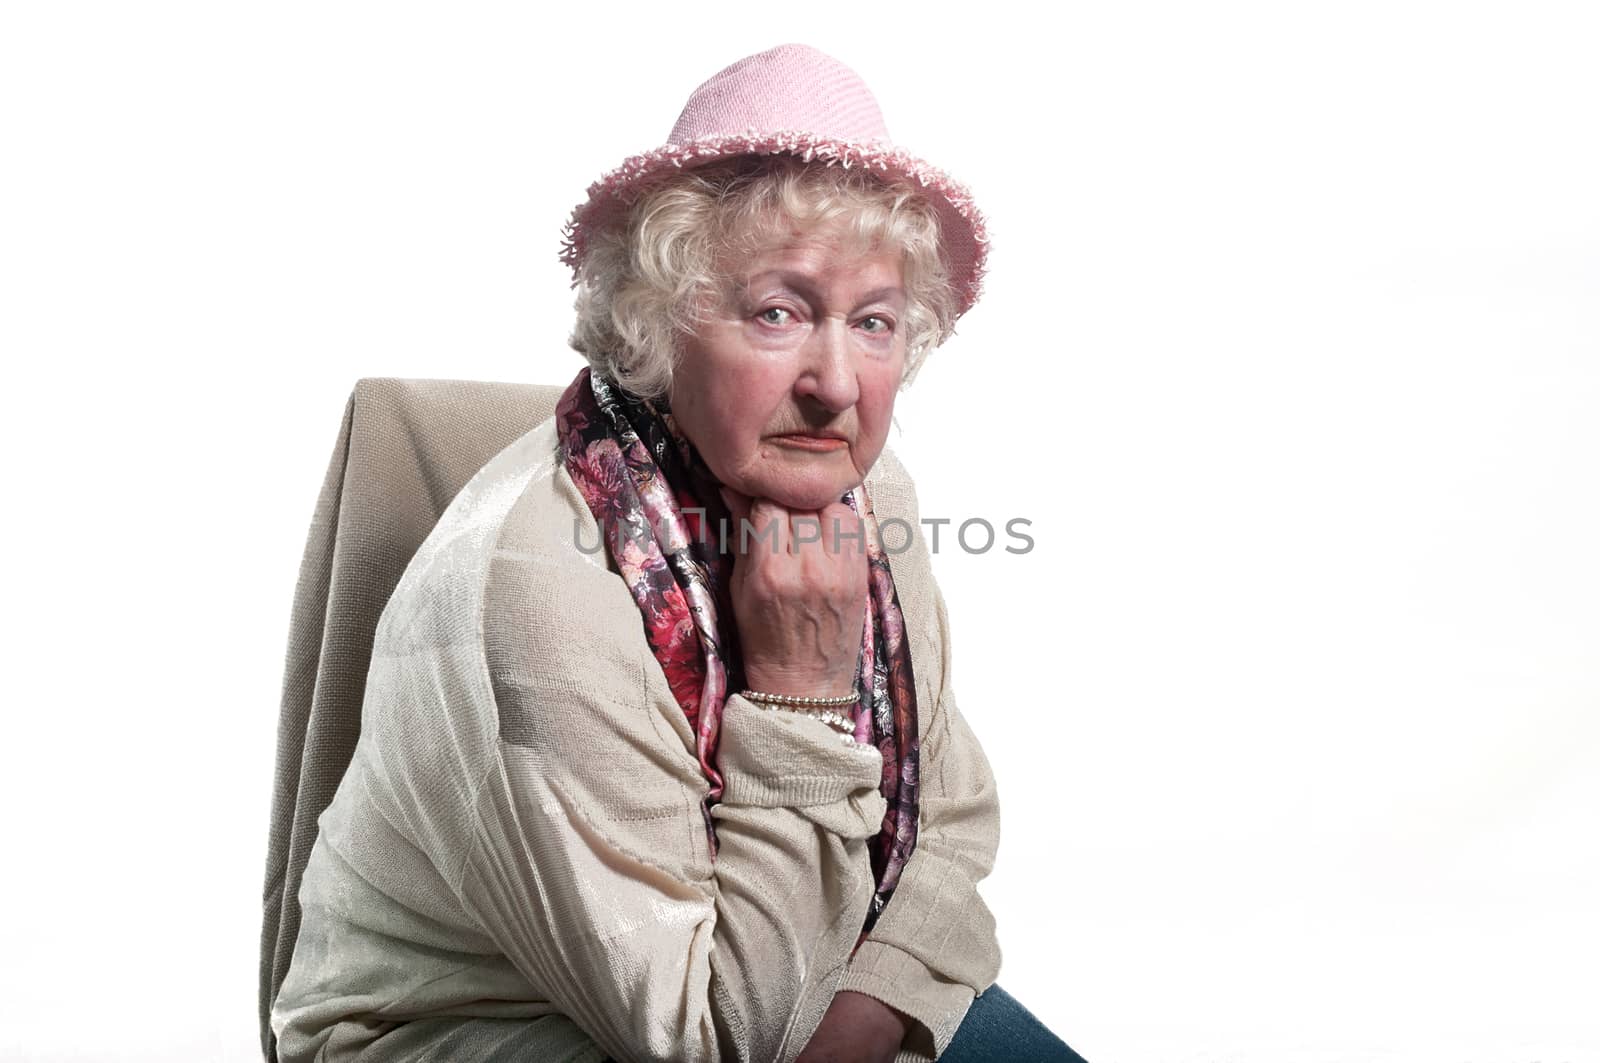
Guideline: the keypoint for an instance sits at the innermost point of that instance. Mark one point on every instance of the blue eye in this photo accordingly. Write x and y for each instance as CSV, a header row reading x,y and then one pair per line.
x,y
883,324
775,315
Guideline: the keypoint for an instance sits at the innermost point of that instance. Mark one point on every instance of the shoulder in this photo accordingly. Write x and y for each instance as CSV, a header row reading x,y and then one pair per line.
x,y
555,612
442,585
515,568
428,674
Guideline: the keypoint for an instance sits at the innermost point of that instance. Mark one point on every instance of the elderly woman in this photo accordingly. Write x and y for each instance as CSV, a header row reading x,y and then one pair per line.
x,y
659,757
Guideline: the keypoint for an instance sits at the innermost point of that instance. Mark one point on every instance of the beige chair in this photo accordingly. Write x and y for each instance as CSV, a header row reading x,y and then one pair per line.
x,y
405,449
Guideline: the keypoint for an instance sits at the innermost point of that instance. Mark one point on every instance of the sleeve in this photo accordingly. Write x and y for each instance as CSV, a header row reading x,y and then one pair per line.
x,y
590,867
934,947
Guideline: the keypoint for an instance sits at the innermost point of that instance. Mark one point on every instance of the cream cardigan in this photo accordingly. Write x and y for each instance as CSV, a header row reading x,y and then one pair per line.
x,y
515,861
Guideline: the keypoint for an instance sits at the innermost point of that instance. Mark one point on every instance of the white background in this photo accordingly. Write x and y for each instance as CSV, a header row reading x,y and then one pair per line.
x,y
1290,351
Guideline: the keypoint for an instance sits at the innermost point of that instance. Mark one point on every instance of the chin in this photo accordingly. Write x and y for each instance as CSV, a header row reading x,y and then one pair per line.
x,y
804,497
804,489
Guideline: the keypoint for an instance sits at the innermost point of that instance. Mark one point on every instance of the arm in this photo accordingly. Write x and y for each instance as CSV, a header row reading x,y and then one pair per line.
x,y
935,947
590,867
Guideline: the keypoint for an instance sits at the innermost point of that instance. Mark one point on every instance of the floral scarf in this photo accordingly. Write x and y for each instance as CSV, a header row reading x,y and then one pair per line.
x,y
657,505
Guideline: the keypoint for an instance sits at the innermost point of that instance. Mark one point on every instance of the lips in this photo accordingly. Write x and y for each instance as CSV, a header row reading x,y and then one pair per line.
x,y
819,442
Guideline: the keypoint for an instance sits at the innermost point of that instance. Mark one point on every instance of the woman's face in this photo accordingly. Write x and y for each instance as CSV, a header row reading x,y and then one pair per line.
x,y
788,389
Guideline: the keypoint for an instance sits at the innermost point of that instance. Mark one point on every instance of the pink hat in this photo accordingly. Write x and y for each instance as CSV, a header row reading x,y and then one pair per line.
x,y
792,99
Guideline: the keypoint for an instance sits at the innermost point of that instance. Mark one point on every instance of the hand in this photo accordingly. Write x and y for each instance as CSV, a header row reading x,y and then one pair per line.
x,y
799,590
856,1029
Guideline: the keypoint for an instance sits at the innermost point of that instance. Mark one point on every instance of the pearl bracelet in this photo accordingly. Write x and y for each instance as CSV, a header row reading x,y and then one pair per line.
x,y
842,724
794,701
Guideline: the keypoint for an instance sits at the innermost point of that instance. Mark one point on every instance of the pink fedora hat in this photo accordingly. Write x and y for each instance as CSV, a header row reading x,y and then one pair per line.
x,y
789,99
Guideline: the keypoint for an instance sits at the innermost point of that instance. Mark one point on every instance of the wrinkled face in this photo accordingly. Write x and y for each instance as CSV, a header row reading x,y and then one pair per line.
x,y
787,390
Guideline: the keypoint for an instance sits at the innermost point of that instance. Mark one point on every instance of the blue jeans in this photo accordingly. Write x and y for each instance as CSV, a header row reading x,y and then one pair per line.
x,y
997,1029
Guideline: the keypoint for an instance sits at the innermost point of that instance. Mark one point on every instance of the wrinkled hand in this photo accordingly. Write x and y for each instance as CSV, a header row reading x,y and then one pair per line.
x,y
856,1029
799,590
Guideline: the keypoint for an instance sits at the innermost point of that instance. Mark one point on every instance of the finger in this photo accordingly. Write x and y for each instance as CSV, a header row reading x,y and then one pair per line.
x,y
807,531
842,573
770,533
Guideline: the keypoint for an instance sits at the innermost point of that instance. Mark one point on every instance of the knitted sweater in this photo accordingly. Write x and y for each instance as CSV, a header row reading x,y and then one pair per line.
x,y
516,860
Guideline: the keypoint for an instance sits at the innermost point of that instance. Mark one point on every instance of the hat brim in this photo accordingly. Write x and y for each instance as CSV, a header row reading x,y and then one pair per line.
x,y
963,235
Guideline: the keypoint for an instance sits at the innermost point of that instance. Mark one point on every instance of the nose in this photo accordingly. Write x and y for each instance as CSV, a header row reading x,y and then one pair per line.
x,y
828,375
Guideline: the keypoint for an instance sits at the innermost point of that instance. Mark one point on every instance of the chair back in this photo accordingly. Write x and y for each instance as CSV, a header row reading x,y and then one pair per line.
x,y
405,449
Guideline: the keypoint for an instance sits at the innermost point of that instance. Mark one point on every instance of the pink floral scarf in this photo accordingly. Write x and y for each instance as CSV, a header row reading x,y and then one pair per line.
x,y
660,516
